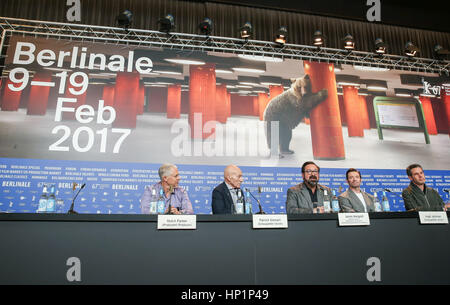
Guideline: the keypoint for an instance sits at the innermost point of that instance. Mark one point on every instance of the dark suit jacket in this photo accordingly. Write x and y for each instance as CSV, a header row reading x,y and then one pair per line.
x,y
414,198
222,203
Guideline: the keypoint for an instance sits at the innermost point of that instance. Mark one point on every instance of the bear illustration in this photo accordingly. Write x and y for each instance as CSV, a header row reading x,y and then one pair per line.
x,y
289,108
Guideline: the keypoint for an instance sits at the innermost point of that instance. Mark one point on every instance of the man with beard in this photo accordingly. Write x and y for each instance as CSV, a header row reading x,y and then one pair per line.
x,y
418,196
355,200
307,197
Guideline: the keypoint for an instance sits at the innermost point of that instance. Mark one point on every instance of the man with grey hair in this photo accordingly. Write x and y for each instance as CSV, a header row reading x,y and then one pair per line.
x,y
172,194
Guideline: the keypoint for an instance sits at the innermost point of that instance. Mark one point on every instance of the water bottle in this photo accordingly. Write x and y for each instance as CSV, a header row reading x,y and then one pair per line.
x,y
161,202
376,202
43,200
51,201
385,203
239,203
59,205
326,202
335,203
153,202
248,203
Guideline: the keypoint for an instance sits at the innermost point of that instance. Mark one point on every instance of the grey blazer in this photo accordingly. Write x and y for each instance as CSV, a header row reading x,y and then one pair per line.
x,y
349,202
298,200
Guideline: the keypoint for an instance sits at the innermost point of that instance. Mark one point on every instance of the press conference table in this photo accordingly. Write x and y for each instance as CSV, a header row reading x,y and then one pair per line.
x,y
224,249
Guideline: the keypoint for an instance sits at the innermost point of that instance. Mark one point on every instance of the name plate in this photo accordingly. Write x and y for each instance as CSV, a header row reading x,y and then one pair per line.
x,y
270,221
433,217
177,222
354,219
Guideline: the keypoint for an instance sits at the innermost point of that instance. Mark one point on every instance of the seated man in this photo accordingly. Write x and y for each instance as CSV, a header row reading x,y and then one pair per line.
x,y
307,197
225,195
172,193
355,200
419,197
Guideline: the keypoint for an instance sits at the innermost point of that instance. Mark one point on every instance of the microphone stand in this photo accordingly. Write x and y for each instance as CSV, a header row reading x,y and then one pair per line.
x,y
169,208
71,211
400,197
395,193
259,204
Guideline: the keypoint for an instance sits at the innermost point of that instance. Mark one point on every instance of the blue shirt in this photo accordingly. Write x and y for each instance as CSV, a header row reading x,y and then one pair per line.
x,y
179,199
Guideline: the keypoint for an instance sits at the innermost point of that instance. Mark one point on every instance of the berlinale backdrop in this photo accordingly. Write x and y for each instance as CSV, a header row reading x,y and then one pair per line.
x,y
109,116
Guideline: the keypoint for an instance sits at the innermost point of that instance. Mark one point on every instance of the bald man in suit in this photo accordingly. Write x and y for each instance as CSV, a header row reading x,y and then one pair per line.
x,y
225,195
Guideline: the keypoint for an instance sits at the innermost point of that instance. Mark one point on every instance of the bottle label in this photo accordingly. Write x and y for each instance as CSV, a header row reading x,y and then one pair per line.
x,y
386,206
153,207
42,205
161,205
248,208
377,207
326,207
51,205
335,205
239,208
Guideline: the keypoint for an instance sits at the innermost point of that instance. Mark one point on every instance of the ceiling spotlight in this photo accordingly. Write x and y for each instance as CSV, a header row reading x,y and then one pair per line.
x,y
166,24
125,18
440,52
380,46
319,40
206,26
246,31
281,35
349,43
410,49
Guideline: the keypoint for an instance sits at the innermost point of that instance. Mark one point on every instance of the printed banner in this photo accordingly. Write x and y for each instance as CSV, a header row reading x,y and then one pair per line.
x,y
110,115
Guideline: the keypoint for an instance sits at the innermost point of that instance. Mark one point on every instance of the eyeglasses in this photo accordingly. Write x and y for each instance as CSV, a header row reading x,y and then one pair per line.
x,y
311,171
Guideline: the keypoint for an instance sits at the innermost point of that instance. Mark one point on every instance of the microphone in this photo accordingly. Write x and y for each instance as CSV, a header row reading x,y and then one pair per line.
x,y
392,192
446,190
71,211
259,204
171,191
